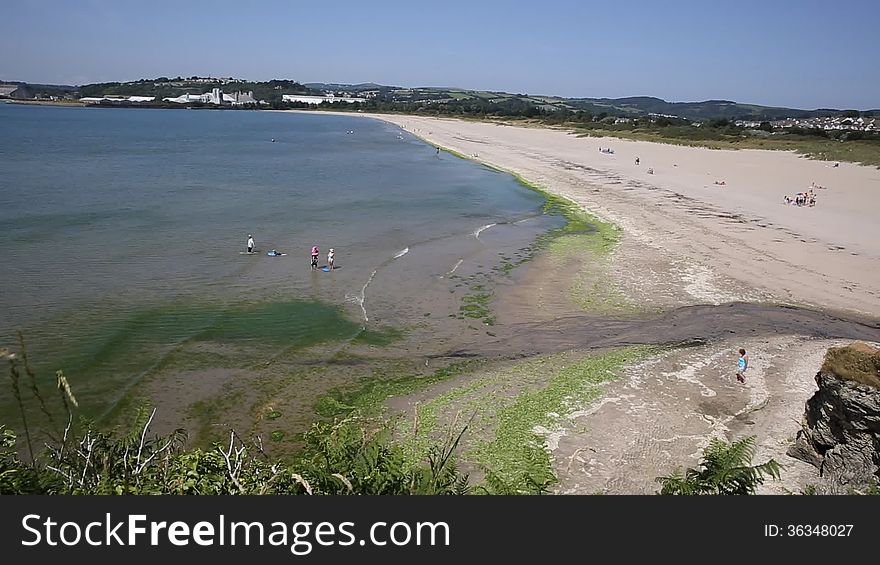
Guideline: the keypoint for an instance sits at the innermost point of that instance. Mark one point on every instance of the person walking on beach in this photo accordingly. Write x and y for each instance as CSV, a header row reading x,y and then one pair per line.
x,y
314,257
330,256
742,365
637,160
250,244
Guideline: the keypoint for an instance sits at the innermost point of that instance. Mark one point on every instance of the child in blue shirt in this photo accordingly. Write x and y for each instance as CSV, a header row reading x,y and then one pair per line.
x,y
742,365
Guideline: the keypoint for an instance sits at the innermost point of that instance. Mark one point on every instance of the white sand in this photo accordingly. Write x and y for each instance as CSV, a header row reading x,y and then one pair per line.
x,y
827,255
687,239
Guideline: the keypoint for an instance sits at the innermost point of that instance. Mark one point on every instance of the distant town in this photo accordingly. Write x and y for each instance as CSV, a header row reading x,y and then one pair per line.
x,y
860,123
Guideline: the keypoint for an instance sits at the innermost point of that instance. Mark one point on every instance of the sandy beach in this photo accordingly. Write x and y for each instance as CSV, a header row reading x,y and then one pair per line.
x,y
703,227
723,242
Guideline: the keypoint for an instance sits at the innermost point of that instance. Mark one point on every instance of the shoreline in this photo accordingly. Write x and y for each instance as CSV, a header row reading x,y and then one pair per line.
x,y
683,244
821,257
637,266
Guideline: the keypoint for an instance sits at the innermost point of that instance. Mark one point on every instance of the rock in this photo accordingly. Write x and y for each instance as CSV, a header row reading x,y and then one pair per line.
x,y
840,434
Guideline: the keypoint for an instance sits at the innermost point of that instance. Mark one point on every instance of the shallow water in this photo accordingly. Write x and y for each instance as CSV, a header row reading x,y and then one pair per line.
x,y
124,229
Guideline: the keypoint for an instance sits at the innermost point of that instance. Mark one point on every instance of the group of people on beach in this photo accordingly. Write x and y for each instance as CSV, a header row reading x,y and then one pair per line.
x,y
807,198
331,254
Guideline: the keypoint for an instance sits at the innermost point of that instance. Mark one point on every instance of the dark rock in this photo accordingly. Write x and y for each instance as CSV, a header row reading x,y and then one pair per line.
x,y
841,432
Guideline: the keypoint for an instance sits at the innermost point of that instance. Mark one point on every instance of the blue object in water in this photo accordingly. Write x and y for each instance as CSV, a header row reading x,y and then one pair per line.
x,y
325,269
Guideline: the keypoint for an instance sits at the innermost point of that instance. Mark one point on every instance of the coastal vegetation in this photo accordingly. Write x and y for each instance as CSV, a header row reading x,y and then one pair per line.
x,y
340,458
77,457
486,432
356,451
725,469
512,409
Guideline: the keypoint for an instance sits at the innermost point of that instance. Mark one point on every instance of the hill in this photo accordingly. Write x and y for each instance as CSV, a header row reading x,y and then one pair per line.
x,y
452,99
708,109
322,86
164,87
632,106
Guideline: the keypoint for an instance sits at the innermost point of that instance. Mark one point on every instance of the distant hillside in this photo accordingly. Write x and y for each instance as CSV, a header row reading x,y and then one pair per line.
x,y
624,107
23,90
709,109
328,86
449,100
164,87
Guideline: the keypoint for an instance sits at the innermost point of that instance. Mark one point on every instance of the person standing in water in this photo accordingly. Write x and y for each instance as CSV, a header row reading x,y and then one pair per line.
x,y
250,244
314,257
330,257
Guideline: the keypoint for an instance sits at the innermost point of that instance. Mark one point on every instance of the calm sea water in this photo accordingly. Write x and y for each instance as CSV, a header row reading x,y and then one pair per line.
x,y
123,229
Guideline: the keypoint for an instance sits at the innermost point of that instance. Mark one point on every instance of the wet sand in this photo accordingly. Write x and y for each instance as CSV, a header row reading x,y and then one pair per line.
x,y
699,271
825,256
712,266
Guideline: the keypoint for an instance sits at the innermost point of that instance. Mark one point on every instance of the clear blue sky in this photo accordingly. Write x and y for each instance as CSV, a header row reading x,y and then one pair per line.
x,y
803,54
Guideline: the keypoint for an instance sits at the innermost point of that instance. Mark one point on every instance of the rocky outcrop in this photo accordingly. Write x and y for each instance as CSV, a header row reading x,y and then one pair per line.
x,y
840,434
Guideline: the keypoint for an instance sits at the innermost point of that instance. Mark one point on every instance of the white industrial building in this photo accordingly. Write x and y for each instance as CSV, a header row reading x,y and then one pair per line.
x,y
319,99
216,96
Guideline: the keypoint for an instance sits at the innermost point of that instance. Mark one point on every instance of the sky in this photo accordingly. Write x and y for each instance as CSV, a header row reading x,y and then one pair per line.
x,y
793,53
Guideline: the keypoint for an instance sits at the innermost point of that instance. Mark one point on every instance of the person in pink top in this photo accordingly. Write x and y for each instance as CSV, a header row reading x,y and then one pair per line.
x,y
314,257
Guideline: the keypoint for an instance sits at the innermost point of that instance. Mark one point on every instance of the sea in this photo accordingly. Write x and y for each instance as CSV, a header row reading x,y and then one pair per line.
x,y
124,233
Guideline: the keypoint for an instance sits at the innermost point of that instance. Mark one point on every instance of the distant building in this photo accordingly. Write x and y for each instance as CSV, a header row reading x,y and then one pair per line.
x,y
216,96
320,99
